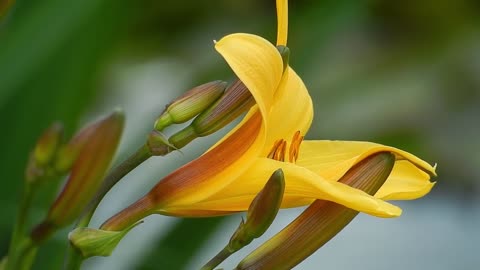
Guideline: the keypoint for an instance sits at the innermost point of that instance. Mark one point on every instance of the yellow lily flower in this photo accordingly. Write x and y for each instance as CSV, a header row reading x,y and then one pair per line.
x,y
226,178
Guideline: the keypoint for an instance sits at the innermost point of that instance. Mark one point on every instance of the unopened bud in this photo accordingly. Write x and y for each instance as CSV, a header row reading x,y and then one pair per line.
x,y
261,213
190,104
236,100
90,242
68,153
48,144
321,221
40,164
86,174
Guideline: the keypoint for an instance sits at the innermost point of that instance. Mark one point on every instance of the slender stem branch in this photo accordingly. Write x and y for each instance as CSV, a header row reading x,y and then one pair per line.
x,y
18,235
27,255
73,259
141,155
218,259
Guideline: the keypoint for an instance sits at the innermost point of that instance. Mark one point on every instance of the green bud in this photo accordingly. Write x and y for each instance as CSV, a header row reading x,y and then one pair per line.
x,y
48,144
261,213
321,221
40,164
190,104
285,53
93,242
88,170
236,100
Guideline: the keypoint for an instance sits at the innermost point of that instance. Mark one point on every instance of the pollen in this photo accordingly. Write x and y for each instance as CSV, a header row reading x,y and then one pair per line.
x,y
279,148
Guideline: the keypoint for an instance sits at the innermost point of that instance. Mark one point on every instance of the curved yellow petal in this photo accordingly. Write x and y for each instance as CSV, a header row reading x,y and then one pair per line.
x,y
302,186
409,179
256,62
282,22
406,182
212,171
198,179
292,110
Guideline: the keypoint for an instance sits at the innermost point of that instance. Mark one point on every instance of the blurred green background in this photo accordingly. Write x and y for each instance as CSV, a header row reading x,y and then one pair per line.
x,y
403,73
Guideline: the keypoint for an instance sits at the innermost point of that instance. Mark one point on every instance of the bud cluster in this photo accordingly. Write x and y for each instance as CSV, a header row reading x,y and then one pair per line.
x,y
211,106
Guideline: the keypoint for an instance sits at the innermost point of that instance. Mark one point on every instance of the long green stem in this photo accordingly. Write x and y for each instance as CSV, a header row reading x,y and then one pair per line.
x,y
18,235
218,259
141,155
73,259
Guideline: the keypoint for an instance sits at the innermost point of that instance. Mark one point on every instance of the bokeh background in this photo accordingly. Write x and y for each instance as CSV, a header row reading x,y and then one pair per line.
x,y
403,73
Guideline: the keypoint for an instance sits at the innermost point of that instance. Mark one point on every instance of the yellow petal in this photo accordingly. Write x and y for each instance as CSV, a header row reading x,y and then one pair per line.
x,y
292,110
331,159
212,171
282,22
302,186
406,182
256,62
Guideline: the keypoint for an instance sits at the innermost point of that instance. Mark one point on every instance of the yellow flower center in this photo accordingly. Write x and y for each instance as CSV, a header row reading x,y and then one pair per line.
x,y
278,151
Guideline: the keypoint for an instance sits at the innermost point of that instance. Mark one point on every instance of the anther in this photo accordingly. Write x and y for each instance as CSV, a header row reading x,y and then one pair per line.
x,y
278,150
294,148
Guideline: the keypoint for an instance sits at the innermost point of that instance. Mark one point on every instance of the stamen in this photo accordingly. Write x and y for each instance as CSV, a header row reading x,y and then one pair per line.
x,y
278,150
281,151
294,149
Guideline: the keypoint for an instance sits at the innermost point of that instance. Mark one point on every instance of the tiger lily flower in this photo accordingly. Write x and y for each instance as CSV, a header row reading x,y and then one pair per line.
x,y
227,177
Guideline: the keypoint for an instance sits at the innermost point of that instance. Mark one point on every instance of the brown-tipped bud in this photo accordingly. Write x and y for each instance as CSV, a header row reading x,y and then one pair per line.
x,y
321,221
236,100
261,213
86,174
190,104
92,242
68,153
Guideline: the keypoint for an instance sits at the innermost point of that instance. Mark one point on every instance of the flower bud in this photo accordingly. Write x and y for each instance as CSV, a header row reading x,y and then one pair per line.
x,y
48,144
86,174
68,153
190,104
235,101
40,164
321,221
261,213
90,242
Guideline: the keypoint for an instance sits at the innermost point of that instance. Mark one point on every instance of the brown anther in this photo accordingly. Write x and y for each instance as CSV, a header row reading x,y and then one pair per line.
x,y
280,154
294,149
278,150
